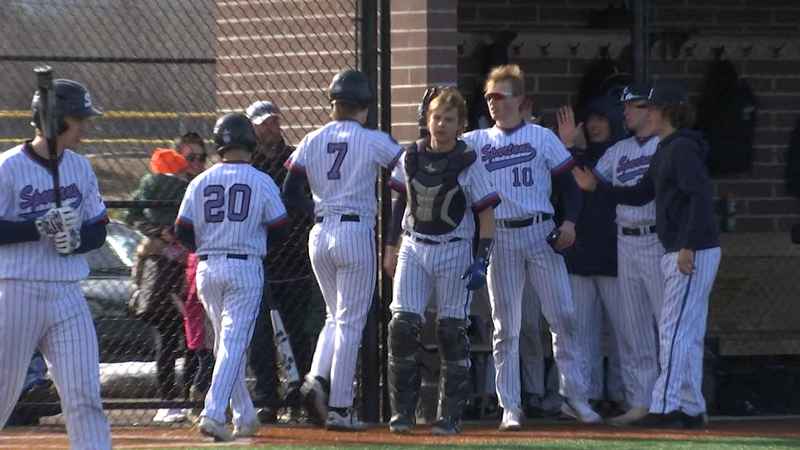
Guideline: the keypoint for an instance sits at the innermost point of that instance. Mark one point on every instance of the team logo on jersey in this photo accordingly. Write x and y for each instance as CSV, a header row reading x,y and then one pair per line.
x,y
632,169
39,202
507,155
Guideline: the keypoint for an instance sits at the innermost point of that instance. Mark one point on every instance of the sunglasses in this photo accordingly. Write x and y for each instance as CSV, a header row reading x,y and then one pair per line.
x,y
196,157
496,96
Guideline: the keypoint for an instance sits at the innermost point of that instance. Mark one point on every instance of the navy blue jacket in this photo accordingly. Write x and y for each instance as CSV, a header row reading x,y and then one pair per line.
x,y
679,182
595,248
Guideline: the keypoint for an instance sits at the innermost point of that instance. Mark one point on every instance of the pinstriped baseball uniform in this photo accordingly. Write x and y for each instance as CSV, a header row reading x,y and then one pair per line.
x,y
230,208
683,326
423,268
521,162
41,304
641,280
341,162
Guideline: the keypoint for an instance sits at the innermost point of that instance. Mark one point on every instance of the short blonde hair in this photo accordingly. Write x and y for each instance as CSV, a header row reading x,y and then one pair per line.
x,y
450,98
510,72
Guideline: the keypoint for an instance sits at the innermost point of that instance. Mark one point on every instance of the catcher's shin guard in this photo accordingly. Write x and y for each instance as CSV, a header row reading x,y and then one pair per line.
x,y
404,379
454,380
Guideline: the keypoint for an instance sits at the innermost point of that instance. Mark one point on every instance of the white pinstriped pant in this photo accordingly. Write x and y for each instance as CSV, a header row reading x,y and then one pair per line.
x,y
54,317
597,301
424,268
682,330
641,283
345,264
515,250
230,290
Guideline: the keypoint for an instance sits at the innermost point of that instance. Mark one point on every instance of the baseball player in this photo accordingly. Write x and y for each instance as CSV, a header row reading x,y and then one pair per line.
x,y
340,162
523,161
641,282
592,261
41,262
678,180
229,214
445,189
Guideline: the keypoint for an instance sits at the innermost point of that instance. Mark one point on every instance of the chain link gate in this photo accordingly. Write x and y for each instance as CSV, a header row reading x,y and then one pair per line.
x,y
162,70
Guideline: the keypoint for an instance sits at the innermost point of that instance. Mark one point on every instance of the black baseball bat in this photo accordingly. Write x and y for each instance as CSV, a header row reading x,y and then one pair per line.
x,y
47,100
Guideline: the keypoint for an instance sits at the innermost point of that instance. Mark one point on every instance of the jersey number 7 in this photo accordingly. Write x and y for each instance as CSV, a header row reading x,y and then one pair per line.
x,y
235,205
340,148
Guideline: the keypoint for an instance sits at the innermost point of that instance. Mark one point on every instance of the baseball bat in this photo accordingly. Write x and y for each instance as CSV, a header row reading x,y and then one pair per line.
x,y
285,362
47,100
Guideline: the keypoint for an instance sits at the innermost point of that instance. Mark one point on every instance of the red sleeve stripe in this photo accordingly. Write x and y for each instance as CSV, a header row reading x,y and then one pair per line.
x,y
184,222
279,222
294,167
568,164
397,186
490,201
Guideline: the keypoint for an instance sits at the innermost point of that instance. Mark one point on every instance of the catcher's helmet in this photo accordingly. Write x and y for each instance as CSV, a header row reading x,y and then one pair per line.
x,y
72,99
234,130
350,86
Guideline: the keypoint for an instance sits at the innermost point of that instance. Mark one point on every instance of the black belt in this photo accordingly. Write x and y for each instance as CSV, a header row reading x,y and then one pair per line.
x,y
641,231
344,218
539,218
229,256
429,241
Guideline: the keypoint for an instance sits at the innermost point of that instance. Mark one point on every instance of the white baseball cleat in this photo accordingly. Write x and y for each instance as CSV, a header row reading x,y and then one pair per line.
x,y
343,422
246,429
214,429
628,418
315,398
511,420
170,415
580,410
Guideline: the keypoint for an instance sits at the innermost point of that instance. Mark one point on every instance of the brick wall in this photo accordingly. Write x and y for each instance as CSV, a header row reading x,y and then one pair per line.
x,y
285,51
750,32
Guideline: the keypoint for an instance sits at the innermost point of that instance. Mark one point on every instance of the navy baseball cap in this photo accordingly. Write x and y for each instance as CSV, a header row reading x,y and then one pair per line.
x,y
635,91
260,111
668,92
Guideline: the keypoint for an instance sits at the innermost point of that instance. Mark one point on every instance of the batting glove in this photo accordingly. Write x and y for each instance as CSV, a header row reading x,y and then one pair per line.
x,y
476,273
67,241
57,220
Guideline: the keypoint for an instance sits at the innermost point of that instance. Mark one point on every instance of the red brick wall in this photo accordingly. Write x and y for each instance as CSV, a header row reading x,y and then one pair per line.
x,y
553,79
285,51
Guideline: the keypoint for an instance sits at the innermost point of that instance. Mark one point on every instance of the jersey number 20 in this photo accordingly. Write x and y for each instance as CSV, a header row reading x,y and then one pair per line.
x,y
235,205
340,148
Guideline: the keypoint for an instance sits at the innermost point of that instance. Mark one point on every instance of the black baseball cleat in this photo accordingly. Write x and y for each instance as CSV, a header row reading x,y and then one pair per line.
x,y
446,426
674,419
267,415
401,424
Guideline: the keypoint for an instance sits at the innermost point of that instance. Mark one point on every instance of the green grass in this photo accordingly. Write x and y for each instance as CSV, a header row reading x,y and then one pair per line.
x,y
711,443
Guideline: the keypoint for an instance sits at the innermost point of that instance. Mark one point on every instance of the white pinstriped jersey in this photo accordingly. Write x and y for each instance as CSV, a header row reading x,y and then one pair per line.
x,y
478,191
231,206
624,164
341,161
520,162
26,192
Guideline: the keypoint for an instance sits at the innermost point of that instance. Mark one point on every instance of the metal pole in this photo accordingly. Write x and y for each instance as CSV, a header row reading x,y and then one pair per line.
x,y
640,40
385,30
369,357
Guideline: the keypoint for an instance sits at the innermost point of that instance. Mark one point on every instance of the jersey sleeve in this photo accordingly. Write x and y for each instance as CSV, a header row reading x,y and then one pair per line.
x,y
479,189
397,182
274,209
558,158
297,160
6,193
604,168
388,151
94,209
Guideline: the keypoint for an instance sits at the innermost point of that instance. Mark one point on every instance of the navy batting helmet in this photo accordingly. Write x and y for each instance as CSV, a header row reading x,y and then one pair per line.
x,y
234,130
350,86
72,99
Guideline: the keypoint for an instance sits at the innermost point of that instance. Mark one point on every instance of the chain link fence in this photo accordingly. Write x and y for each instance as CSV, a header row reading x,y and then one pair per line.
x,y
162,70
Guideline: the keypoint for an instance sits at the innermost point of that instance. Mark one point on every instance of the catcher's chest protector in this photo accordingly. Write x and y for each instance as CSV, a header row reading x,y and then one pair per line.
x,y
436,199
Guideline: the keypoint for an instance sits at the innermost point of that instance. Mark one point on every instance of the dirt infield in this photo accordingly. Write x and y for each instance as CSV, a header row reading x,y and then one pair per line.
x,y
47,437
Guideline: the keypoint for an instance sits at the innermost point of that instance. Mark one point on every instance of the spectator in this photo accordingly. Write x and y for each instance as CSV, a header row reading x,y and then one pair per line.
x,y
291,283
199,357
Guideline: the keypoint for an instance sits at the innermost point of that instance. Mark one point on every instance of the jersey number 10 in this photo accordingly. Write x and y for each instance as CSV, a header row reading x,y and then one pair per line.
x,y
235,205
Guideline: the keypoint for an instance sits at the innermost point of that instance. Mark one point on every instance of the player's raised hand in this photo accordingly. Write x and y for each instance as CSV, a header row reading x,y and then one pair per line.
x,y
567,237
422,109
571,135
390,260
585,179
